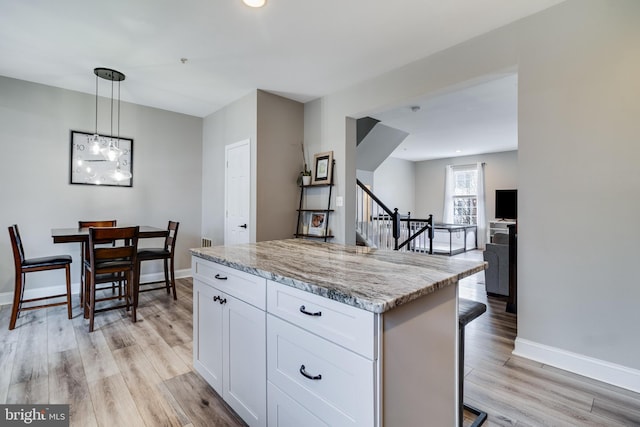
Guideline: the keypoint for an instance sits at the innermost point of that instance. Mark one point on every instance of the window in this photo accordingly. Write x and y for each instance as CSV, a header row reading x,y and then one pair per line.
x,y
465,195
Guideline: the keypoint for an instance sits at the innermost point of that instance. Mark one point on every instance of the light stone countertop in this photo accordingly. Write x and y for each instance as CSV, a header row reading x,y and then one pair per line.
x,y
371,279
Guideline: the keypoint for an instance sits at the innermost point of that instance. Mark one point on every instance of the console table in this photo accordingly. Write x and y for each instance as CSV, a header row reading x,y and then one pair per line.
x,y
464,229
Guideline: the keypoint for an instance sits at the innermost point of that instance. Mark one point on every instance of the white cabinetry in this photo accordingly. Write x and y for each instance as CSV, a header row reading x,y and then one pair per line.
x,y
229,336
320,360
307,360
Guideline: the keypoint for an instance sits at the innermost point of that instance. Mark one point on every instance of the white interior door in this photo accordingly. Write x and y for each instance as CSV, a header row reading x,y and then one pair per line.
x,y
237,192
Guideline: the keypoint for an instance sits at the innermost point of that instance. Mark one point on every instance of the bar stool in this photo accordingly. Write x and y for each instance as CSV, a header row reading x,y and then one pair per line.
x,y
29,265
468,310
165,254
84,251
109,264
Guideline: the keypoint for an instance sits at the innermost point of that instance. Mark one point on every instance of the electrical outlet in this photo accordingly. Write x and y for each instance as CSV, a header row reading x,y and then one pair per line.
x,y
339,201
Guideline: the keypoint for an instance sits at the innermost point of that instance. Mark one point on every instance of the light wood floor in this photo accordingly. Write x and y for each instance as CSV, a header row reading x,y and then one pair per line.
x,y
141,374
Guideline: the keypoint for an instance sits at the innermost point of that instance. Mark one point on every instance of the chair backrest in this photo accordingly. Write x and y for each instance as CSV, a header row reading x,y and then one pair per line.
x,y
87,224
16,245
170,240
124,249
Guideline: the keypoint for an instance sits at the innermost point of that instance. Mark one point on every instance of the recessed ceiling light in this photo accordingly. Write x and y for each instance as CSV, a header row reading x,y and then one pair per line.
x,y
255,3
458,151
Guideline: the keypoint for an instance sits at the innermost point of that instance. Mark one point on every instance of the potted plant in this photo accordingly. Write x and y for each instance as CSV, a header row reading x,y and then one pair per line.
x,y
305,175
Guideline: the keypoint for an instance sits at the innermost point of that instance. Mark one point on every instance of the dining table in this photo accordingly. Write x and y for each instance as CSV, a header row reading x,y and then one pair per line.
x,y
79,235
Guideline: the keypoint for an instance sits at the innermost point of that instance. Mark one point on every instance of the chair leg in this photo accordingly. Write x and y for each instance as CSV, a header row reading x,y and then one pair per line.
x,y
87,292
166,275
82,273
173,280
481,416
91,295
17,296
134,291
68,274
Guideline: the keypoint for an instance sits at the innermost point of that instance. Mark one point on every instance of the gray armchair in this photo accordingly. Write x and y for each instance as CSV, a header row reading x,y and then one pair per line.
x,y
496,275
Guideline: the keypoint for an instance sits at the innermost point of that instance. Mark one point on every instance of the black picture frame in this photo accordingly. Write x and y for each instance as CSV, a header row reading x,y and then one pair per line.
x,y
86,168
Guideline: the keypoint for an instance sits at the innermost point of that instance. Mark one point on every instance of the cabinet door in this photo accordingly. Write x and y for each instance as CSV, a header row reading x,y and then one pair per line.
x,y
207,334
245,385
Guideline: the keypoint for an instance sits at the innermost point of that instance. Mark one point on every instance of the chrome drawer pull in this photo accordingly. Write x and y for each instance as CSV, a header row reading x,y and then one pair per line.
x,y
219,277
308,313
307,375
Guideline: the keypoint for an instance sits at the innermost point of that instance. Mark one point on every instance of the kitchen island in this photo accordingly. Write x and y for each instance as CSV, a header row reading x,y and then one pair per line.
x,y
298,332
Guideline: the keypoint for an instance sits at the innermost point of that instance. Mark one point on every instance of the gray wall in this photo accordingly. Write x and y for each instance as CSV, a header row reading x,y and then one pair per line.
x,y
233,123
35,124
577,68
274,125
280,134
394,183
501,172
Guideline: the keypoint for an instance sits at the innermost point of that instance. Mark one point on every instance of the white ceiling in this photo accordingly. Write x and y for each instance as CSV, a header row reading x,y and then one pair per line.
x,y
300,49
481,118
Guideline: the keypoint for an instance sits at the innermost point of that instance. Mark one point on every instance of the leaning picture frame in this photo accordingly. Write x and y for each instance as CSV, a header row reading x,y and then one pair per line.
x,y
317,223
89,167
323,165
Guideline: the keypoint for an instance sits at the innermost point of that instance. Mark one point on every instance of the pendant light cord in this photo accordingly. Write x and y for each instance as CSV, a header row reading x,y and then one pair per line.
x,y
96,132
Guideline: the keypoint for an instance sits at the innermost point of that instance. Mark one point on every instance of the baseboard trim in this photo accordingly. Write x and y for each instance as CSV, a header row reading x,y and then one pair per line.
x,y
610,373
7,297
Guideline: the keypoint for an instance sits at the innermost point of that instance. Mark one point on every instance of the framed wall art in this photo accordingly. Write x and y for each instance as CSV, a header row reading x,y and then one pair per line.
x,y
105,160
323,164
317,223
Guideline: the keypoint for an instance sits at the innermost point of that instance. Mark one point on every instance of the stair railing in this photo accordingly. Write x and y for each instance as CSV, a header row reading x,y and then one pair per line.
x,y
380,227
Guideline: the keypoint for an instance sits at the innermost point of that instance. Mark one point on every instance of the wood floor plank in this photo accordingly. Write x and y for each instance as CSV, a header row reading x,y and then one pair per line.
x,y
113,404
143,383
625,414
68,385
185,352
8,345
60,329
118,335
160,355
97,359
174,333
31,363
207,408
34,391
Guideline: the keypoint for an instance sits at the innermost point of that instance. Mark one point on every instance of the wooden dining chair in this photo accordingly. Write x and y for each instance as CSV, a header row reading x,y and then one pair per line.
x,y
84,254
109,264
29,265
166,254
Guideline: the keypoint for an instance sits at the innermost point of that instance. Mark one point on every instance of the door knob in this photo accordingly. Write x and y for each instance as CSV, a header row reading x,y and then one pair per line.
x,y
243,226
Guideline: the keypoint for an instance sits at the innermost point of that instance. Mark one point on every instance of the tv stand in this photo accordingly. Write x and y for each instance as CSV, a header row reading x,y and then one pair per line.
x,y
499,226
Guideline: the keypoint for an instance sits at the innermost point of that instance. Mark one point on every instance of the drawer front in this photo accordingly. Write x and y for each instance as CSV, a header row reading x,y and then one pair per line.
x,y
333,383
244,286
284,411
343,324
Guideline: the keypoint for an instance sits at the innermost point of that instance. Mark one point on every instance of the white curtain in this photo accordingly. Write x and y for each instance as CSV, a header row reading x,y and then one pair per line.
x,y
481,215
447,212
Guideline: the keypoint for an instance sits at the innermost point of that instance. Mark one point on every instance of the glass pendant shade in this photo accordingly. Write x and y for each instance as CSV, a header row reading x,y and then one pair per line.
x,y
94,144
111,153
120,175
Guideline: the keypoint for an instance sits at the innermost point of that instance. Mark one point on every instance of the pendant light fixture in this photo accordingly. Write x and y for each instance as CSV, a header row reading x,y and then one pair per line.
x,y
255,3
109,147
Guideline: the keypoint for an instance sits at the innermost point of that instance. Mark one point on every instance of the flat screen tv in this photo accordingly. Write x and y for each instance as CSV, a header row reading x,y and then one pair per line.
x,y
506,204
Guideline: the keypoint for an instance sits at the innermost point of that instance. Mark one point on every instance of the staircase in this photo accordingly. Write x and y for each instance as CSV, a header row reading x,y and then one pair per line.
x,y
380,227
